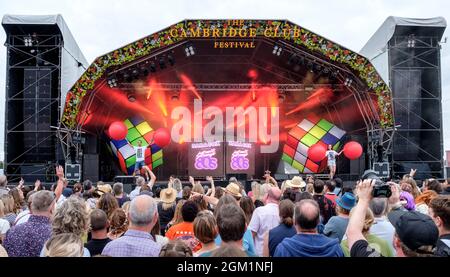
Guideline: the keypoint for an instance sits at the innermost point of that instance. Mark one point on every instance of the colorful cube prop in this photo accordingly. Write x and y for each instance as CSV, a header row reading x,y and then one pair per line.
x,y
308,132
138,129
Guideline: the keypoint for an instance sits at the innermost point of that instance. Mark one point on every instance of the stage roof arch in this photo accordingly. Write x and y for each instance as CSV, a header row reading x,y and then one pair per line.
x,y
223,30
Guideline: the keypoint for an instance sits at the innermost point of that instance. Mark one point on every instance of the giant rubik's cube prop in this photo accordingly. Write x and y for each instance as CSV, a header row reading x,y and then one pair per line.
x,y
138,129
308,132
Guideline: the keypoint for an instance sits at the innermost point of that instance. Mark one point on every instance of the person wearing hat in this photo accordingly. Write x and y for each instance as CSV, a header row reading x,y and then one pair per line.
x,y
166,207
336,226
296,184
415,233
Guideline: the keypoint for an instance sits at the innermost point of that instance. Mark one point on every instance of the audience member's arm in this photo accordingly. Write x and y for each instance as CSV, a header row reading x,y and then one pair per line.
x,y
270,179
152,178
210,199
37,184
266,245
191,180
356,222
412,172
60,183
213,187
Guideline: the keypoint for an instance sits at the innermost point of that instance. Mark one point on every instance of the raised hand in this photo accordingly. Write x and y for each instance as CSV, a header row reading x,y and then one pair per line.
x,y
60,172
37,184
395,196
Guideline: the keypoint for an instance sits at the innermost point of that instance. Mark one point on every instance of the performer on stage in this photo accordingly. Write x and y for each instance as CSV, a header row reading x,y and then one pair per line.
x,y
140,157
331,156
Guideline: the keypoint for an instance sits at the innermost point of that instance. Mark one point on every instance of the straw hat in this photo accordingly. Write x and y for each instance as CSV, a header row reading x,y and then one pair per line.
x,y
105,188
233,189
168,195
296,182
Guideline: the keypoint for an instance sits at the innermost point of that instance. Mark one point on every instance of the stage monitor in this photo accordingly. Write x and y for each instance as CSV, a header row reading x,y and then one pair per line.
x,y
206,159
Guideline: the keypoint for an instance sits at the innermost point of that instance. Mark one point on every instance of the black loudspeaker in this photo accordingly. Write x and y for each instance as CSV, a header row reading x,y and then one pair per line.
x,y
31,173
91,167
382,169
73,172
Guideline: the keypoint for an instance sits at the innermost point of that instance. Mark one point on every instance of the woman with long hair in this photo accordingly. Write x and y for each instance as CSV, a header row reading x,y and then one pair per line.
x,y
177,217
118,224
108,203
286,228
8,208
19,200
423,200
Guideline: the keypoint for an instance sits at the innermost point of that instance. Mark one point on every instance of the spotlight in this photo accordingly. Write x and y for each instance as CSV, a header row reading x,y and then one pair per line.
x,y
162,63
144,71
281,97
333,76
317,68
348,82
411,42
171,60
135,73
131,97
152,67
28,41
175,97
277,50
292,60
127,77
189,50
112,82
310,66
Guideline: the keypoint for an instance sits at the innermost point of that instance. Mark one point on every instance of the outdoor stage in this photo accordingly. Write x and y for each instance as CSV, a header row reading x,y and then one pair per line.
x,y
273,85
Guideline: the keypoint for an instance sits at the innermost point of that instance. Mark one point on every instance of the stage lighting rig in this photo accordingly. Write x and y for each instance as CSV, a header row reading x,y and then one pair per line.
x,y
411,42
112,81
152,67
348,82
189,50
28,41
277,50
175,96
162,63
171,60
281,96
131,97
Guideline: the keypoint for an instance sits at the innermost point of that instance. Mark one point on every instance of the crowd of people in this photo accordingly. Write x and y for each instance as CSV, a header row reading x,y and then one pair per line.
x,y
297,218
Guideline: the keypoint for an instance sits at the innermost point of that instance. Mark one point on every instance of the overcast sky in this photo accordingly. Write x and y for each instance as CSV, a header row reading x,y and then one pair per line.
x,y
103,25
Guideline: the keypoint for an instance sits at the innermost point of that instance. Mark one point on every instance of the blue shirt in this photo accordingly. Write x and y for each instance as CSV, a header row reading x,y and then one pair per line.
x,y
278,234
247,242
309,245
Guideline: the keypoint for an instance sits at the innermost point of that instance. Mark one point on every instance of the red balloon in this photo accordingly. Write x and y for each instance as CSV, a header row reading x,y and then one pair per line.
x,y
161,137
117,130
317,152
353,150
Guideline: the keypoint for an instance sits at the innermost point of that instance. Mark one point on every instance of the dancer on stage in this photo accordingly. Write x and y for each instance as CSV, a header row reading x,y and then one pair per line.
x,y
331,156
140,157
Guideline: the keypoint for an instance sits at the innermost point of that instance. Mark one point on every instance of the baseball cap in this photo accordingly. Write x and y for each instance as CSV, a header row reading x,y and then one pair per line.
x,y
414,228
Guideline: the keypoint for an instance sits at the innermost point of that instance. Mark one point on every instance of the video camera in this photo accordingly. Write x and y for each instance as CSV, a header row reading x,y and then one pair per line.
x,y
380,189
